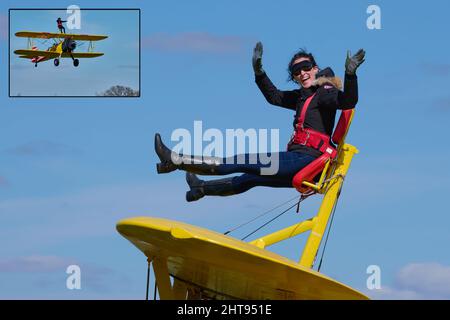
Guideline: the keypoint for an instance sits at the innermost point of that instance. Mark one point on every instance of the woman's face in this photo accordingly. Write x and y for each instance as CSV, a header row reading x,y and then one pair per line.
x,y
305,77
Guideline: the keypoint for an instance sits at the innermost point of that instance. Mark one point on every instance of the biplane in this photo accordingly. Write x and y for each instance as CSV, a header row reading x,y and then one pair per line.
x,y
64,46
190,262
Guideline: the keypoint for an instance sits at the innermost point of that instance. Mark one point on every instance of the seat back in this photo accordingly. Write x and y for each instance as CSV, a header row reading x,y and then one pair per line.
x,y
342,127
311,172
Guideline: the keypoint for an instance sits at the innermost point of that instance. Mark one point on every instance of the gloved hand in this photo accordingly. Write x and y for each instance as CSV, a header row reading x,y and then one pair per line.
x,y
257,57
352,63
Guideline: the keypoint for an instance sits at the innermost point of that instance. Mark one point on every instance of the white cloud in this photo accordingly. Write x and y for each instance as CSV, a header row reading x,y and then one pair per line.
x,y
194,42
432,280
88,217
49,272
417,281
34,263
42,147
389,293
36,222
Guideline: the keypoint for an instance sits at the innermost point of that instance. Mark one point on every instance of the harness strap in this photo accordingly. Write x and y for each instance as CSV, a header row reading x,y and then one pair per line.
x,y
301,120
309,137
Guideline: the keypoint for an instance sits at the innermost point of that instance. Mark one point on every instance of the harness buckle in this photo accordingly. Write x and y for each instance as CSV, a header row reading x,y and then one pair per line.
x,y
307,137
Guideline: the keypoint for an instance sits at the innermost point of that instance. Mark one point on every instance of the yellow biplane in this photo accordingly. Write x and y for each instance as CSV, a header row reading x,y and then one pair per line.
x,y
63,47
195,263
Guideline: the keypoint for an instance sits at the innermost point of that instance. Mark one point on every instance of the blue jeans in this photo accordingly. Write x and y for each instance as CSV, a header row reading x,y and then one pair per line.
x,y
289,163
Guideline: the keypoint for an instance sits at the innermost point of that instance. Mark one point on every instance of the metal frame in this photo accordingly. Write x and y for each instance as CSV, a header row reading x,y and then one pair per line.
x,y
30,43
329,184
91,46
317,225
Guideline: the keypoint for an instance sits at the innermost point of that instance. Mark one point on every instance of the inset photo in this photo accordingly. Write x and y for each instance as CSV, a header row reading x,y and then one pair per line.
x,y
74,52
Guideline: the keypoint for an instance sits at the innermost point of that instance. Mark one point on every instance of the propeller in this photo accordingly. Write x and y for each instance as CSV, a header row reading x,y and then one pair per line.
x,y
69,45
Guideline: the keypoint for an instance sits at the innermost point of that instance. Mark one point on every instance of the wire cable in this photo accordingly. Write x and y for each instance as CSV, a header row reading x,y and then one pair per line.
x,y
259,216
148,279
276,217
329,228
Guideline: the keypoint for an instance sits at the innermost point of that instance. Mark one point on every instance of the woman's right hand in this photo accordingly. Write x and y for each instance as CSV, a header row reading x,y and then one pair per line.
x,y
257,59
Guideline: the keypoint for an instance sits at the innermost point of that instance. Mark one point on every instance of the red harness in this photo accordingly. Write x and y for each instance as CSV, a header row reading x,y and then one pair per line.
x,y
309,137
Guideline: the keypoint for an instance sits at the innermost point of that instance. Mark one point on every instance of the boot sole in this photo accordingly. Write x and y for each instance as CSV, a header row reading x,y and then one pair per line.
x,y
192,196
164,168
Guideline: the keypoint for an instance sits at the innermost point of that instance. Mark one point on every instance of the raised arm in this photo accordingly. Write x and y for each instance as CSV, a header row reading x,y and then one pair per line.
x,y
285,99
348,98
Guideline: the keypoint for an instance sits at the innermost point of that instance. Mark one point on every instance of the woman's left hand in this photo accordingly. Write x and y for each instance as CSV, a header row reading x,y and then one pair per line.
x,y
352,63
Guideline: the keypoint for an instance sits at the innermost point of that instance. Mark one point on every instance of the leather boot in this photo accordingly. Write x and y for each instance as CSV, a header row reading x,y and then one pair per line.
x,y
171,161
201,188
165,155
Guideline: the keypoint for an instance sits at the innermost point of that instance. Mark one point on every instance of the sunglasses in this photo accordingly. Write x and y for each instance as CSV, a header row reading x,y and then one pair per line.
x,y
305,66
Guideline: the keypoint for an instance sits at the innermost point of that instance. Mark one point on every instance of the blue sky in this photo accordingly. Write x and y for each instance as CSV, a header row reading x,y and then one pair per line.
x,y
70,168
118,66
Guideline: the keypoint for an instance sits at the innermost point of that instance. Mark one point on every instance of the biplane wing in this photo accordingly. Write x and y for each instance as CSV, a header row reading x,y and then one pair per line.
x,y
51,55
36,53
81,54
223,267
50,35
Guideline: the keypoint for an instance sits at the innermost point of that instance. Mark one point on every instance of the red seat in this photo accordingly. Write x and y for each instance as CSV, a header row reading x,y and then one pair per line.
x,y
312,170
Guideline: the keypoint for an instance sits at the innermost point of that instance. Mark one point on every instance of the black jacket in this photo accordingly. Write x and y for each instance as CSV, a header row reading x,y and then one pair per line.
x,y
322,109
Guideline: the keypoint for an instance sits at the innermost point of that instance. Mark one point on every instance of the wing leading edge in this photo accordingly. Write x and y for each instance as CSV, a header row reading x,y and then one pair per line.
x,y
49,35
82,54
51,55
36,53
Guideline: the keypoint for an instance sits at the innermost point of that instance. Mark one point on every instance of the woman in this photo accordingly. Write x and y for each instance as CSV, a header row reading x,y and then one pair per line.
x,y
319,97
60,25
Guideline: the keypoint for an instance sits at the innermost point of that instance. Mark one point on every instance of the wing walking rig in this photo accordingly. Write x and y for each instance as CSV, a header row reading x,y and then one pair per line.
x,y
63,47
195,263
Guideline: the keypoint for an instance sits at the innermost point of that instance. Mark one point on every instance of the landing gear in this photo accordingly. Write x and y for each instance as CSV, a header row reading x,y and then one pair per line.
x,y
56,62
35,65
76,62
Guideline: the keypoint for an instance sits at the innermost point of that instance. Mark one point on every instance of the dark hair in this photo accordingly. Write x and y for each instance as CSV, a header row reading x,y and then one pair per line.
x,y
302,53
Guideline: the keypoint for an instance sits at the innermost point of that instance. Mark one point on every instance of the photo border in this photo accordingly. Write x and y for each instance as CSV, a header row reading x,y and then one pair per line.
x,y
69,96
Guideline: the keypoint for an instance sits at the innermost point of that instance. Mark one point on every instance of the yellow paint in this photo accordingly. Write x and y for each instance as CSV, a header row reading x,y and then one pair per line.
x,y
284,234
36,53
51,35
55,51
225,267
208,264
328,202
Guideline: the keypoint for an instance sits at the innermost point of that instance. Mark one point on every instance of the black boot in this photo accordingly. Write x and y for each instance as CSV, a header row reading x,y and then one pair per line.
x,y
201,188
196,186
171,161
165,155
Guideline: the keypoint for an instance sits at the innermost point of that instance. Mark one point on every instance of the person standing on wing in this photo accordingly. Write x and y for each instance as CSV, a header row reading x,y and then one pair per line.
x,y
319,96
60,25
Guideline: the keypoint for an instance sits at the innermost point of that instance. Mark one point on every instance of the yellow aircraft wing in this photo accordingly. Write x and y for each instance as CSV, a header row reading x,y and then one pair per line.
x,y
36,53
49,35
82,54
224,267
